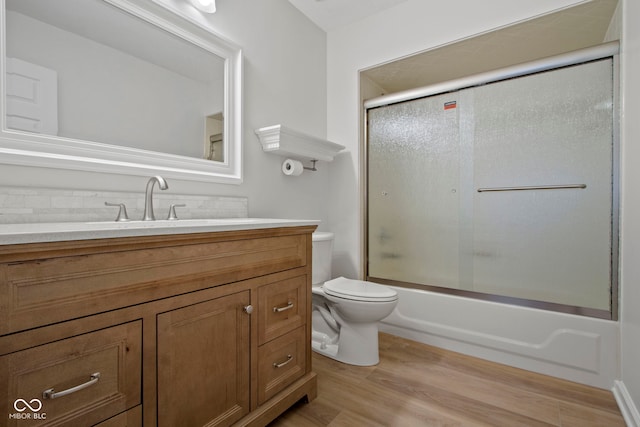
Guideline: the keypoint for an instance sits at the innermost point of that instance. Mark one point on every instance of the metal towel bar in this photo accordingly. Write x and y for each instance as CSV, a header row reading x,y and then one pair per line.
x,y
534,187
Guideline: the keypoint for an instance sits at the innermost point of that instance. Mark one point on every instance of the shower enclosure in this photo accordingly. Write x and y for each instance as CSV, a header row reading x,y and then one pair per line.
x,y
505,190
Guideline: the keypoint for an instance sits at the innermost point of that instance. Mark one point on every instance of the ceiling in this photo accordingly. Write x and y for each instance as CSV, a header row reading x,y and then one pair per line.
x,y
568,29
331,14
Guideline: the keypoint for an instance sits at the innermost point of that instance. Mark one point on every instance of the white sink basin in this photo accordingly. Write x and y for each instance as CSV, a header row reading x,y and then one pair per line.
x,y
51,232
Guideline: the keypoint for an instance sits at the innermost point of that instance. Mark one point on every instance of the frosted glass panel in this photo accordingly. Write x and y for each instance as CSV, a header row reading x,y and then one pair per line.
x,y
427,158
413,198
552,128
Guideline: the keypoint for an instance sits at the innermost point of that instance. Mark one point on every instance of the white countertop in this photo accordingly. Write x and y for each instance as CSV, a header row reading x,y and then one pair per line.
x,y
64,231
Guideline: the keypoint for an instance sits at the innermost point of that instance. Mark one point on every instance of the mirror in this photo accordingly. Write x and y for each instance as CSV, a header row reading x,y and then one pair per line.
x,y
120,86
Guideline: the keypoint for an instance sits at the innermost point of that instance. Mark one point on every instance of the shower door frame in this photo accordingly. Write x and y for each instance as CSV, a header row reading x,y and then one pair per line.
x,y
603,51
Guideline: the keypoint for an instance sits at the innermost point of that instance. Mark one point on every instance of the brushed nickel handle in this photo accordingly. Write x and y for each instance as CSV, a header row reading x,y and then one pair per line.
x,y
289,306
248,309
533,187
122,213
50,394
280,365
172,211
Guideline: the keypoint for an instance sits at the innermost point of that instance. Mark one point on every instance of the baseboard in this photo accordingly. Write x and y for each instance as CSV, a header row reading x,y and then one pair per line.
x,y
626,404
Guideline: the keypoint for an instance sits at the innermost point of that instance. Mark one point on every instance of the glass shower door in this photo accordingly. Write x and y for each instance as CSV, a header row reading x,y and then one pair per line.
x,y
548,129
413,157
504,189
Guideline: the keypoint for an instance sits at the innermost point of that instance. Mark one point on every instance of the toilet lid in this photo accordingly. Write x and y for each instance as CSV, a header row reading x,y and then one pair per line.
x,y
359,290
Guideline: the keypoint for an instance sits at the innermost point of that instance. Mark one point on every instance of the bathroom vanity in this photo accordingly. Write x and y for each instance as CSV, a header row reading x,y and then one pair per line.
x,y
197,325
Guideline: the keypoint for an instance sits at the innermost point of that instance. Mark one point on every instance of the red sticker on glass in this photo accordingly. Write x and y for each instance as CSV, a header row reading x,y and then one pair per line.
x,y
450,105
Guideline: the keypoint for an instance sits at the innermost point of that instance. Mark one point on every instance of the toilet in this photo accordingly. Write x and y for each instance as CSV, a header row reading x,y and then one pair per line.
x,y
345,312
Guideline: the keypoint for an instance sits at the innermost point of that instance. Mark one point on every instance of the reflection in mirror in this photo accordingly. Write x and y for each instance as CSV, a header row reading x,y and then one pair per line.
x,y
119,86
86,56
213,137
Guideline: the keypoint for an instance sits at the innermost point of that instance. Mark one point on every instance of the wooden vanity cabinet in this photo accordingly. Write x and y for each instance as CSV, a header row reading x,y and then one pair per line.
x,y
194,329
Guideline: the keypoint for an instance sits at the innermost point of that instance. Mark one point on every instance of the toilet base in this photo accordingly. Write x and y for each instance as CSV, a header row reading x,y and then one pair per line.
x,y
356,345
329,350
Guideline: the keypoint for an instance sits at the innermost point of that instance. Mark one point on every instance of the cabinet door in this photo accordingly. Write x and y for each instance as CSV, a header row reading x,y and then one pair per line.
x,y
203,363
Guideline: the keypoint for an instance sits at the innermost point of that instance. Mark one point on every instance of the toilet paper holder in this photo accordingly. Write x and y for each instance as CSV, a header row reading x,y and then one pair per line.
x,y
296,167
312,168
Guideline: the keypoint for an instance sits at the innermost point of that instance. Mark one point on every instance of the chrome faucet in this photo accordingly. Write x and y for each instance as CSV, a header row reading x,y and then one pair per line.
x,y
148,196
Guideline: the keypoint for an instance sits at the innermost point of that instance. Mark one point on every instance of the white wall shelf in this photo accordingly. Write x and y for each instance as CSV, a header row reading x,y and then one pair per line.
x,y
278,139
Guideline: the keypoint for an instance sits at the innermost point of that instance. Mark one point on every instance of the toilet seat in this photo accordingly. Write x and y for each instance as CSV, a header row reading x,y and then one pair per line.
x,y
359,290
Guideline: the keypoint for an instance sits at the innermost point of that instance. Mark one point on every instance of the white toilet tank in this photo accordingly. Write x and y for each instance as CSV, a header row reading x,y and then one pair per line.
x,y
322,249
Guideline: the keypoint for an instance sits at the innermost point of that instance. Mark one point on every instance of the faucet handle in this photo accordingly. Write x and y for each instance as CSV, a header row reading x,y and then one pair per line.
x,y
122,213
172,210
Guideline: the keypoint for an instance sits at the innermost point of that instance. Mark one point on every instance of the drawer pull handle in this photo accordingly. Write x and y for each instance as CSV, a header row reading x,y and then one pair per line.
x,y
289,306
50,394
280,365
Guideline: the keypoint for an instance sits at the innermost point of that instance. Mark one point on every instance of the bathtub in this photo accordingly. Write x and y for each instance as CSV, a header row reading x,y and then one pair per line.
x,y
576,348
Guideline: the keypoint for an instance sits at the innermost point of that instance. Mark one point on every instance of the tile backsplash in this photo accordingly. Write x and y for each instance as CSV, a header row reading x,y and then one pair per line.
x,y
26,205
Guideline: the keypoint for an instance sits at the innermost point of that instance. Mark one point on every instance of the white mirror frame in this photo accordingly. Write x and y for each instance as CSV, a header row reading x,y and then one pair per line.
x,y
30,149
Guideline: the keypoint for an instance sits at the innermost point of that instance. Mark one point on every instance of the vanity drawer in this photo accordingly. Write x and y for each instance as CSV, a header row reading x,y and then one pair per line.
x,y
37,292
282,307
281,362
106,362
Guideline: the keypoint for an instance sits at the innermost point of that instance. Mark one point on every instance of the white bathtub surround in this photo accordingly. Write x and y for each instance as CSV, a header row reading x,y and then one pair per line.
x,y
575,348
34,205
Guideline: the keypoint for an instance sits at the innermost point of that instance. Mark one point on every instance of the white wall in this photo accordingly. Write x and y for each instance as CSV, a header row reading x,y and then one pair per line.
x,y
408,28
630,224
411,27
284,82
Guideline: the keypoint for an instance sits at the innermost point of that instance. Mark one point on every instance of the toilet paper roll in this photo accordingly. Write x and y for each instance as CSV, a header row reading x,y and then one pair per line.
x,y
292,167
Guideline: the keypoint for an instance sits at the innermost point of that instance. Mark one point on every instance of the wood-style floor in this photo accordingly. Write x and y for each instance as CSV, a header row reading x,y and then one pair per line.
x,y
419,385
